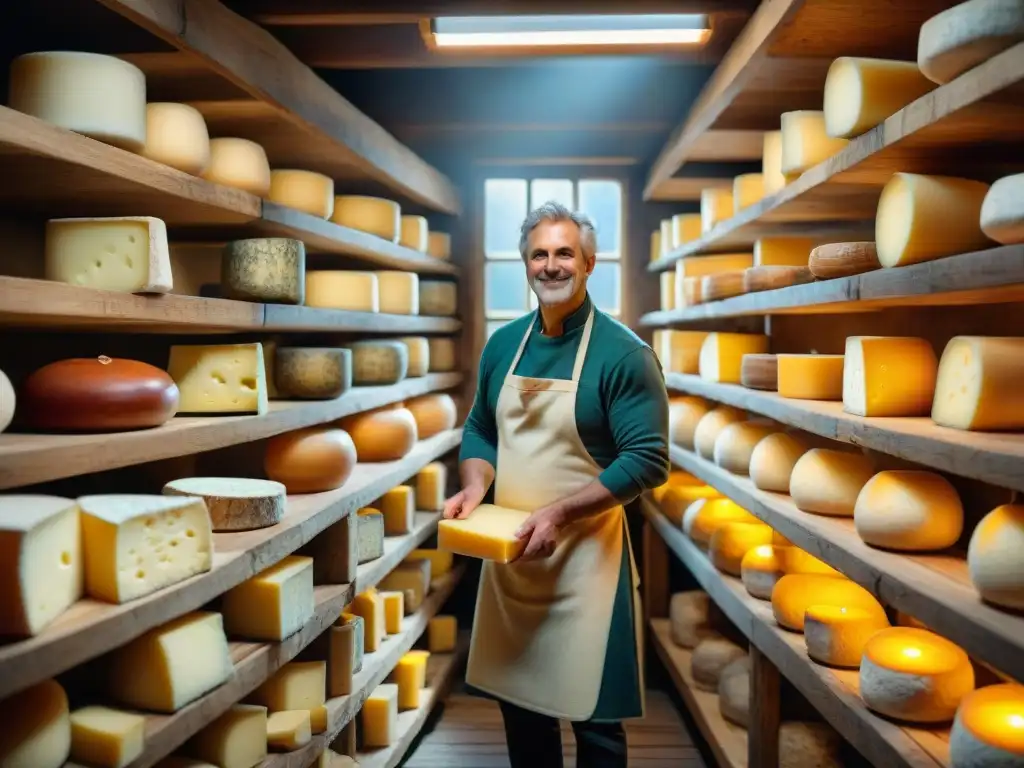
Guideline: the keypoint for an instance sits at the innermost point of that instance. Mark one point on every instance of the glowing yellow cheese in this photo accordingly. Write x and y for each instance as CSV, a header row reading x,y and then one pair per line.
x,y
667,281
415,233
978,384
306,191
297,685
771,163
676,478
735,444
721,355
796,592
398,292
686,227
860,93
827,482
380,716
399,509
431,482
394,610
888,376
689,618
370,605
909,510
176,135
966,35
988,727
715,205
1002,212
705,516
705,434
716,264
679,351
288,729
677,499
747,189
343,289
106,737
783,251
439,245
684,416
374,215
410,675
318,719
796,560
36,727
442,633
921,218
655,245
836,634
804,141
239,163
811,377
760,569
488,533
272,605
220,378
772,460
914,675
993,556
440,561
732,541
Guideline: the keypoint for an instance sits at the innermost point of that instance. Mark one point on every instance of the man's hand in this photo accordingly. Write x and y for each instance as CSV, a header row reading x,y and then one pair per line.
x,y
464,502
541,532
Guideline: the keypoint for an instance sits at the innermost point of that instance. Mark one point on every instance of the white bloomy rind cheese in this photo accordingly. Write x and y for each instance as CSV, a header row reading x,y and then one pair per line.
x,y
136,545
773,459
993,556
711,656
688,618
827,482
41,571
747,189
860,93
220,378
239,163
771,163
374,215
686,227
234,503
914,675
176,135
721,355
735,445
836,635
986,732
343,289
272,605
439,245
399,292
967,35
306,191
438,298
805,142
264,269
921,218
172,665
127,254
909,510
415,233
1002,212
888,376
715,205
238,737
106,737
99,96
37,727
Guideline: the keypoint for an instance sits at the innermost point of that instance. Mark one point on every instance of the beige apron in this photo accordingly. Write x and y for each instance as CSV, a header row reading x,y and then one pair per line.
x,y
540,631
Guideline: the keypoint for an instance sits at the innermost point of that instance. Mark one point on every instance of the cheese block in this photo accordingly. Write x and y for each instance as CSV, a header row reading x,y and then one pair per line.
x,y
782,251
667,281
358,625
914,675
443,355
318,719
264,269
418,348
375,215
760,570
730,542
380,717
833,260
811,377
335,552
686,227
239,163
702,266
771,163
311,460
993,556
137,545
343,289
106,737
236,738
41,573
399,509
127,253
921,218
288,730
679,351
688,614
705,516
415,233
977,385
888,376
736,442
721,286
102,97
706,433
796,592
378,362
440,561
827,482
438,298
710,657
836,634
439,245
1002,211
296,685
802,745
986,731
370,535
431,483
442,634
386,434
677,499
434,414
759,372
399,292
220,378
413,578
909,510
860,93
805,142
312,373
171,665
394,610
488,533
272,605
665,233
655,245
716,205
37,727
234,503
734,692
721,355
343,640
176,135
684,417
966,35
747,189
7,402
410,675
306,191
269,362
773,459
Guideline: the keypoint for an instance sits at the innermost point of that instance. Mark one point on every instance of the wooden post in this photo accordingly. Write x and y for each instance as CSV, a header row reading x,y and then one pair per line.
x,y
765,712
654,579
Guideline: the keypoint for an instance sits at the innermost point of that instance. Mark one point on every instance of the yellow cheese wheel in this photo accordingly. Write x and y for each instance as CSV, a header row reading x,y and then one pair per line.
x,y
836,635
306,191
705,516
978,384
796,592
796,560
987,730
710,426
994,556
761,569
888,376
373,215
811,377
239,163
385,434
310,460
827,482
176,135
732,541
434,414
675,477
686,228
677,499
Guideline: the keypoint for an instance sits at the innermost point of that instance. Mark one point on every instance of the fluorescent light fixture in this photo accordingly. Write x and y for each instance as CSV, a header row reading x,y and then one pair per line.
x,y
538,31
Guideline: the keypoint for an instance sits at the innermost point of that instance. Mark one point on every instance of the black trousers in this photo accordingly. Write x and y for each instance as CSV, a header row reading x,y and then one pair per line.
x,y
535,741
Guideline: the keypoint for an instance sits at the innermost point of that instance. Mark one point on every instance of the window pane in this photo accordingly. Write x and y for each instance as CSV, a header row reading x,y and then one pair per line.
x,y
604,286
505,288
544,190
494,325
504,211
601,200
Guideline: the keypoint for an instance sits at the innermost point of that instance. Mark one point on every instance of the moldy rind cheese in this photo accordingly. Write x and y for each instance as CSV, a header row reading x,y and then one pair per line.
x,y
313,373
374,215
264,269
966,35
688,618
234,503
176,135
239,163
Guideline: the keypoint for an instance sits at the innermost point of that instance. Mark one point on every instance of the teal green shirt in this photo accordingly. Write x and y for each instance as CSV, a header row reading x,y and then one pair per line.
x,y
621,403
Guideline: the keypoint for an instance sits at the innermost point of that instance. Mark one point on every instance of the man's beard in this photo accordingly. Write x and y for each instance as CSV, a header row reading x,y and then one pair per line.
x,y
550,296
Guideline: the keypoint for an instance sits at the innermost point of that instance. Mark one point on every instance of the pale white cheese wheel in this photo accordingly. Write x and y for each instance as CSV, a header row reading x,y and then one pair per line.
x,y
986,732
688,618
176,135
809,745
99,96
683,416
710,657
994,556
235,503
773,459
966,35
909,510
306,191
1002,211
734,692
374,215
735,445
827,482
239,163
7,401
710,426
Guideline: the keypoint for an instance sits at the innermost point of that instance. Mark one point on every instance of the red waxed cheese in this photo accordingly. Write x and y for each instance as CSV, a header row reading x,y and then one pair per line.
x,y
99,394
433,413
310,460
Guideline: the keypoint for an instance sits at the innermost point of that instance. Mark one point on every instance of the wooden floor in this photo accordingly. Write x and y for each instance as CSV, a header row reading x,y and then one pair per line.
x,y
469,734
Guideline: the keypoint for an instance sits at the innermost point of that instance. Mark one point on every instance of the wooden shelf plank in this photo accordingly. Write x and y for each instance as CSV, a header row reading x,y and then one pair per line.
x,y
282,317
991,457
27,459
880,741
934,588
992,276
90,628
728,741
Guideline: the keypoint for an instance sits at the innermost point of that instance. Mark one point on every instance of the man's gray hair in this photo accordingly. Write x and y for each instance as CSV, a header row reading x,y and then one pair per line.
x,y
552,211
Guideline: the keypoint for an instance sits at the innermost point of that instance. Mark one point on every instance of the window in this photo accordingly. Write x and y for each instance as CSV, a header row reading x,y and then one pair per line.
x,y
506,202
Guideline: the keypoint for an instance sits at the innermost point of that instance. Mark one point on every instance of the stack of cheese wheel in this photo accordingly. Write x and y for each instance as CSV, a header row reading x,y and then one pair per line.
x,y
688,614
796,592
989,728
705,516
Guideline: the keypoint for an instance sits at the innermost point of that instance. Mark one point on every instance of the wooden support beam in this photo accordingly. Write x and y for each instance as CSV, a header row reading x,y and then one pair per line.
x,y
765,711
655,575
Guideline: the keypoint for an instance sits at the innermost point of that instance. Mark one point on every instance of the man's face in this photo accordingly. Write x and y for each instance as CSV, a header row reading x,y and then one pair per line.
x,y
555,265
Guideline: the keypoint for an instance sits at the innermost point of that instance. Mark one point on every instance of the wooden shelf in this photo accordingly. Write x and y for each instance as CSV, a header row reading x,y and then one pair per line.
x,y
934,588
833,693
728,741
90,628
991,457
27,459
282,317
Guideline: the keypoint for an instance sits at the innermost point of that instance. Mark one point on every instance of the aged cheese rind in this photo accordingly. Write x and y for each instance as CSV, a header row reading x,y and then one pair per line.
x,y
343,289
966,35
378,362
760,371
37,727
273,604
176,135
984,732
827,482
313,373
861,92
734,692
705,516
439,245
805,142
234,503
374,215
239,163
834,260
415,233
438,298
888,376
978,384
220,378
802,745
730,542
1002,211
761,569
411,577
399,292
265,269
836,635
909,510
711,656
306,191
684,417
688,614
311,460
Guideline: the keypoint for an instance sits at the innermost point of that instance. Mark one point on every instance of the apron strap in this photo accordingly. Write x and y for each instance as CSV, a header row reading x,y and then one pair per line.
x,y
522,345
581,353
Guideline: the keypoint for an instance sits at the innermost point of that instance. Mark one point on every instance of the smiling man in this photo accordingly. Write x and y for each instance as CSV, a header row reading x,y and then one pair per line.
x,y
570,423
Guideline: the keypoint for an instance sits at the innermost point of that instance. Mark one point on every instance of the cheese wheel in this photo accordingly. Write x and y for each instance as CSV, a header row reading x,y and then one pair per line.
x,y
691,287
705,516
438,298
758,279
805,143
760,372
235,503
761,569
711,656
176,135
747,189
102,97
686,227
239,163
732,541
374,215
713,264
306,191
836,634
921,218
439,245
666,237
914,675
264,269
399,292
771,163
1002,211
386,434
721,286
909,510
860,93
667,281
987,730
414,232
796,592
443,354
655,245
688,614
978,384
715,205
7,401
710,426
809,745
782,251
736,442
676,478
734,692
683,417
833,260
721,355
37,727
811,377
100,394
888,376
677,499
353,290
773,459
796,560
993,556
376,363
312,373
419,355
827,482
310,460
966,35
679,351
434,414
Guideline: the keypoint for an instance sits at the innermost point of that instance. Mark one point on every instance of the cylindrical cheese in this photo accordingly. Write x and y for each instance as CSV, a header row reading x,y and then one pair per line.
x,y
988,731
833,260
705,516
796,592
836,634
735,444
760,570
1002,212
666,236
771,163
809,745
235,503
805,142
99,96
921,218
860,93
377,363
443,354
438,298
773,459
710,426
239,163
914,675
37,727
783,251
655,245
677,499
387,434
667,282
811,377
264,269
303,190
7,401
314,373
176,135
419,355
747,189
721,355
978,386
888,376
734,692
732,541
343,289
414,233
679,351
966,35
760,371
711,656
909,510
688,618
686,228
433,413
375,215
994,556
439,245
399,292
827,482
715,205
310,460
683,417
